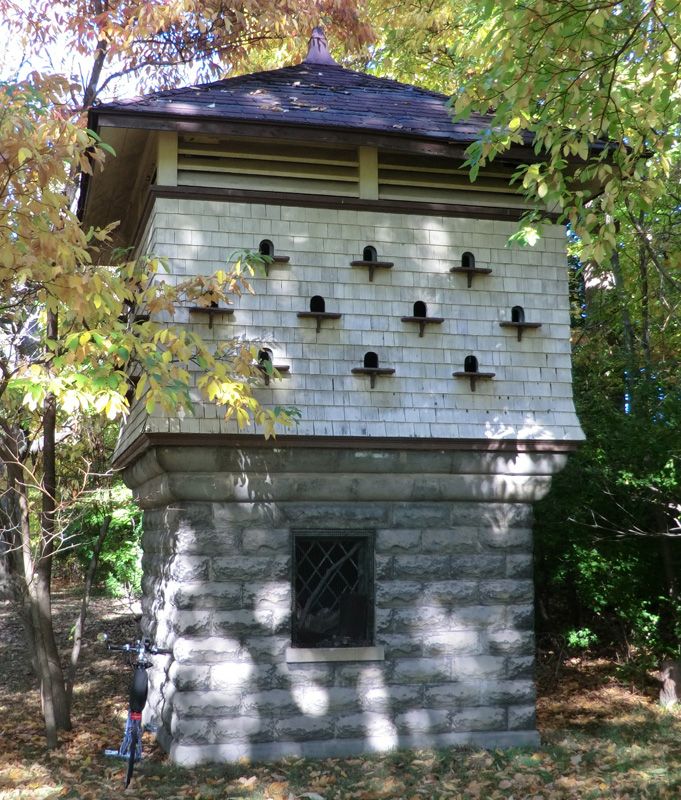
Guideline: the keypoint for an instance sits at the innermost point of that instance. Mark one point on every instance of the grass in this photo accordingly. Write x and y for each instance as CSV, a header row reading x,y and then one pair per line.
x,y
600,739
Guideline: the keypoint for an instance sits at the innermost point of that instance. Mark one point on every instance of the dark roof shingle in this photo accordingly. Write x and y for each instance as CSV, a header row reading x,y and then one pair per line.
x,y
315,95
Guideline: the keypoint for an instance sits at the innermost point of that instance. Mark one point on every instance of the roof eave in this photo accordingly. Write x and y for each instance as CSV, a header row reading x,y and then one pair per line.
x,y
84,177
332,134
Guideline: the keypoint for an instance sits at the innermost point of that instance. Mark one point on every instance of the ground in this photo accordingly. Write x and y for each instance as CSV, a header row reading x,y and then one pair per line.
x,y
601,739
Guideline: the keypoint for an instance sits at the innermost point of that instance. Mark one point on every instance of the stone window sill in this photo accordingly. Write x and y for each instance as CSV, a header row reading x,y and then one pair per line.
x,y
314,655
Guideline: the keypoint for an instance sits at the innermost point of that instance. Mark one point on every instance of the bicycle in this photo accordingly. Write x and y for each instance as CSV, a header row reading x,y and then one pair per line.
x,y
138,658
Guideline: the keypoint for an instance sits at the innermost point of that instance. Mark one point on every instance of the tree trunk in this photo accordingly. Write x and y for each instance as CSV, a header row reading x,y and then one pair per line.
x,y
645,299
670,676
31,566
17,534
34,603
41,591
668,561
8,526
668,623
628,335
41,623
5,576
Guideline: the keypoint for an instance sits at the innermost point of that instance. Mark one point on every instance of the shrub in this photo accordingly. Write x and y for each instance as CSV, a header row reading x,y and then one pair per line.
x,y
119,571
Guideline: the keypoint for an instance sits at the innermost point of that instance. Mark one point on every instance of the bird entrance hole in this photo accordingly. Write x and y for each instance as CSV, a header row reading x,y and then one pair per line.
x,y
370,261
370,360
420,309
470,364
372,369
470,371
369,253
517,314
468,261
266,248
317,304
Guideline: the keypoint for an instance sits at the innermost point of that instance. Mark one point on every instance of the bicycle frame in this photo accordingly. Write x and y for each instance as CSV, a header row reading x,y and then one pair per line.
x,y
131,745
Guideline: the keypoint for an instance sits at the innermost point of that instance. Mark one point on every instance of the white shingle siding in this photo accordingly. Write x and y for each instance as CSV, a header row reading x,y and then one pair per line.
x,y
530,395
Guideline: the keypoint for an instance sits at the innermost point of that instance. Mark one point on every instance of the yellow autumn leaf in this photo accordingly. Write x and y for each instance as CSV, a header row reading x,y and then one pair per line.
x,y
23,154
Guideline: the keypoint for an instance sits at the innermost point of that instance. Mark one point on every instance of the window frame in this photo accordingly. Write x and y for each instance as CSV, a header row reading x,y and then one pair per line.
x,y
368,537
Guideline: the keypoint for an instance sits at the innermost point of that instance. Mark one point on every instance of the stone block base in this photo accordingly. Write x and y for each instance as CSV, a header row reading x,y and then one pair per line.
x,y
192,755
453,600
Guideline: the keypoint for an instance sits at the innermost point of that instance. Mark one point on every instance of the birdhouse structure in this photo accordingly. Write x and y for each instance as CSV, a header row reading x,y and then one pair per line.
x,y
363,581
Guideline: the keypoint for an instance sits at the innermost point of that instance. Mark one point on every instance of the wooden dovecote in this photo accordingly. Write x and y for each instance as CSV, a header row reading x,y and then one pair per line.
x,y
333,167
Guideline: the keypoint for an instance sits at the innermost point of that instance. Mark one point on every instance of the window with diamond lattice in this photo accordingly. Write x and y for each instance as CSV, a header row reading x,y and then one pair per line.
x,y
332,589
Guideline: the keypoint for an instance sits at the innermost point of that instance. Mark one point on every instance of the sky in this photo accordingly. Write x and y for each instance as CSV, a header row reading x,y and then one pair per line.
x,y
18,63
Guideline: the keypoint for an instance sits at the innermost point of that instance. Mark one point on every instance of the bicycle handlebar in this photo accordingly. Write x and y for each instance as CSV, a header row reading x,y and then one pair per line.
x,y
140,646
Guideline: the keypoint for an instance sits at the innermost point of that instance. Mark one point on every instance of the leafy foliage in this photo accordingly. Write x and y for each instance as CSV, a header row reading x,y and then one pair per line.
x,y
597,87
593,86
607,535
120,558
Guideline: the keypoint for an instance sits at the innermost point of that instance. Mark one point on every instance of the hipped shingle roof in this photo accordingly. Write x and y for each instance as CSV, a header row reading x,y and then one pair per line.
x,y
314,95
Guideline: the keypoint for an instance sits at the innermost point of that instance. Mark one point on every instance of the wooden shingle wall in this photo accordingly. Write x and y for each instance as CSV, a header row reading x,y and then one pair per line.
x,y
530,396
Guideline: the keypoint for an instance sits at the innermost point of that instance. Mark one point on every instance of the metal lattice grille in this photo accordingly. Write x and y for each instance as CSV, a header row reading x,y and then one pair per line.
x,y
332,585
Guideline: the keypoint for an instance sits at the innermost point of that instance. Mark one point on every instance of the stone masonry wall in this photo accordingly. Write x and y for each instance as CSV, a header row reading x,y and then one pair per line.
x,y
453,613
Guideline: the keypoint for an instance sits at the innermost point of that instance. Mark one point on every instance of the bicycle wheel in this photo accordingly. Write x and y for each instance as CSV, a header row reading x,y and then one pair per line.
x,y
131,756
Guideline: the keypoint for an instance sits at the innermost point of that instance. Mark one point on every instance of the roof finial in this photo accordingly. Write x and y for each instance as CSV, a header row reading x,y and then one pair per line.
x,y
318,49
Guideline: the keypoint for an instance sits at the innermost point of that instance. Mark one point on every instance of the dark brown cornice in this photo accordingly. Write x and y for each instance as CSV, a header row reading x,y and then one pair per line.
x,y
394,141
150,440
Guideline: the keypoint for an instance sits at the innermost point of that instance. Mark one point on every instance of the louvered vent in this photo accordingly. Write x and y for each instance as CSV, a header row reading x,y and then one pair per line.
x,y
269,166
428,179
